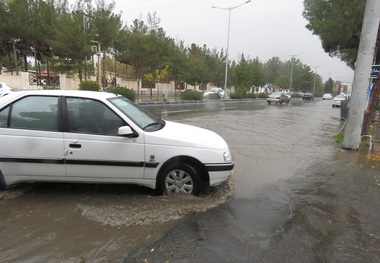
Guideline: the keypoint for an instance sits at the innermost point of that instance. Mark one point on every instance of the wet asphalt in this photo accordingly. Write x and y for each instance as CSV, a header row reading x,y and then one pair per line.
x,y
295,196
325,208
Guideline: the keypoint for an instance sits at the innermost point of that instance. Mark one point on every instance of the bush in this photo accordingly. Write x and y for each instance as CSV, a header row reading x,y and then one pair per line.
x,y
191,95
251,96
89,85
128,93
262,95
215,96
236,95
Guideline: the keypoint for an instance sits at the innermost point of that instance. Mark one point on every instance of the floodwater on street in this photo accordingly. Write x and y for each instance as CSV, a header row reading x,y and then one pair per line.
x,y
44,222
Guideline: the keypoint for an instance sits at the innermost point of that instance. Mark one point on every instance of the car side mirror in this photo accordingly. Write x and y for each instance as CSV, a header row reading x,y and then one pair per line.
x,y
126,131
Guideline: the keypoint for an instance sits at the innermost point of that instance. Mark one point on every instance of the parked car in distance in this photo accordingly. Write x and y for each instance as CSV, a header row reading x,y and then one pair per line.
x,y
101,137
5,89
308,96
336,102
327,96
278,97
214,92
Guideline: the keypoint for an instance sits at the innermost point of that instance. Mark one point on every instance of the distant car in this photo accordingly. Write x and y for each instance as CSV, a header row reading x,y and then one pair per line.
x,y
278,97
5,89
213,91
308,96
327,96
100,137
336,102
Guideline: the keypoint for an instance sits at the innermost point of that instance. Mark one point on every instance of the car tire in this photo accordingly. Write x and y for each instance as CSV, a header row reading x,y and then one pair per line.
x,y
281,102
178,178
268,102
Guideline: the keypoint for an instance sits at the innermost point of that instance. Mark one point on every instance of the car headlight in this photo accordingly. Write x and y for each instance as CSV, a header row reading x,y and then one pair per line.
x,y
227,157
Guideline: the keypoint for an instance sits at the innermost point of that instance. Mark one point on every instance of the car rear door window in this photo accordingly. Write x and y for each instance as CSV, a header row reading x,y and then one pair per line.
x,y
33,112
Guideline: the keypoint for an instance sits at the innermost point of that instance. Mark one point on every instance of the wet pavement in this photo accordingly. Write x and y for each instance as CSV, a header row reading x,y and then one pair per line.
x,y
295,196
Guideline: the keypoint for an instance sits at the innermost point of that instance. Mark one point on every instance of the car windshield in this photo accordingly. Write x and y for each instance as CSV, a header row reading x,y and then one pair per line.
x,y
142,118
276,94
340,97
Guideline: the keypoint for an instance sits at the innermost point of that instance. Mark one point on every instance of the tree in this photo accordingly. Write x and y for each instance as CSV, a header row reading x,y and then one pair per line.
x,y
156,77
338,24
273,68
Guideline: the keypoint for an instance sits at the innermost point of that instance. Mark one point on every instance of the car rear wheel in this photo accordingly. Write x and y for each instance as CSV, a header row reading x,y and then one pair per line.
x,y
179,178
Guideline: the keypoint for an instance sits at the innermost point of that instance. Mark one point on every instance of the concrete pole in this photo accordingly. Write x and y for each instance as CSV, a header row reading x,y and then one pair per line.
x,y
352,132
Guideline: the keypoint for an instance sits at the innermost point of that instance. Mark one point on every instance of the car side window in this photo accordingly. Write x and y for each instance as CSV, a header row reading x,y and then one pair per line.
x,y
4,118
33,112
91,116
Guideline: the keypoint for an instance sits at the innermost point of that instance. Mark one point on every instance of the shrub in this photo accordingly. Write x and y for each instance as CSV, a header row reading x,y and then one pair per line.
x,y
89,85
236,95
128,93
251,96
215,96
191,95
262,95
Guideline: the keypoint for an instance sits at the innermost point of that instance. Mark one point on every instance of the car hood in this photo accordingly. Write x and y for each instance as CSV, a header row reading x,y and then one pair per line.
x,y
183,135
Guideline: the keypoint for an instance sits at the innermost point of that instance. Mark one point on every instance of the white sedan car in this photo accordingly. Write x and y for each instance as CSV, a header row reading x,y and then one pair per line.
x,y
337,101
5,89
217,91
327,96
100,137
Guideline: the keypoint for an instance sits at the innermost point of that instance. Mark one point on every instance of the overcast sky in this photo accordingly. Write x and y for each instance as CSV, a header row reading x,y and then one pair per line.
x,y
261,28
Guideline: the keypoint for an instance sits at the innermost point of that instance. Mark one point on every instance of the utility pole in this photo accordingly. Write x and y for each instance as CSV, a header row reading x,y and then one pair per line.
x,y
352,132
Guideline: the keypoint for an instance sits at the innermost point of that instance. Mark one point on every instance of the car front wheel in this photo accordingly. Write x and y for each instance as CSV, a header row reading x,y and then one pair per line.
x,y
179,178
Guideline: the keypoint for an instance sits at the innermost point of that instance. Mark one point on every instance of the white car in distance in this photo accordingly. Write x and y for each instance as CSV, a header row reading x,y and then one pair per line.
x,y
5,89
214,92
100,137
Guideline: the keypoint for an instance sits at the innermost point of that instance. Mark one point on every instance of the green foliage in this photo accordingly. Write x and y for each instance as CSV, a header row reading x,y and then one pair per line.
x,y
89,85
128,93
237,95
339,137
63,36
242,90
338,24
214,96
296,95
262,95
251,95
191,95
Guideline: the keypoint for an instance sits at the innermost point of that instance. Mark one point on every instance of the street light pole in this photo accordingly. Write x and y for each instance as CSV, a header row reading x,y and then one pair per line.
x,y
315,76
228,40
291,72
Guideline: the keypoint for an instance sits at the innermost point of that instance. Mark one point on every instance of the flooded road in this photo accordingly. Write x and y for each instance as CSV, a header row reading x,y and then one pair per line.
x,y
278,151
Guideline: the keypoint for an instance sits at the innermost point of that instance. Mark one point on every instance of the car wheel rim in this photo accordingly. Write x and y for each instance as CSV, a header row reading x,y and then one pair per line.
x,y
178,181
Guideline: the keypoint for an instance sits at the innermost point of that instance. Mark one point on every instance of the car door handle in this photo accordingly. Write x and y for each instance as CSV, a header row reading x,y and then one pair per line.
x,y
75,145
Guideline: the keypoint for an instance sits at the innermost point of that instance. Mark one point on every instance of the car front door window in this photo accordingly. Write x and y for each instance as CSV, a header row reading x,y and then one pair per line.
x,y
93,117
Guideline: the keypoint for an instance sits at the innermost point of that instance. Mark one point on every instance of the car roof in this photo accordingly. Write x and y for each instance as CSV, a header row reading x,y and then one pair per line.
x,y
69,93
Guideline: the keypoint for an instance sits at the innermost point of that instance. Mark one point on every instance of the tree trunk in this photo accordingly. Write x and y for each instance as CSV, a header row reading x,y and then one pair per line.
x,y
15,55
369,111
